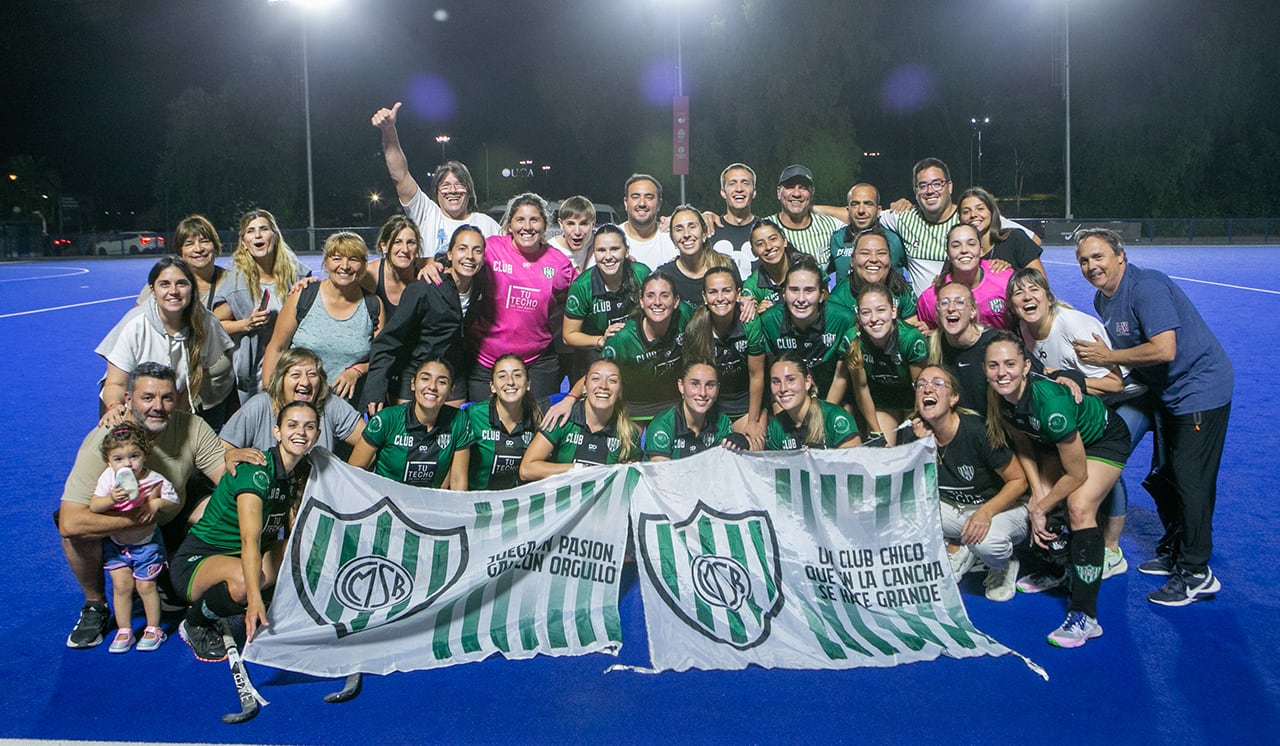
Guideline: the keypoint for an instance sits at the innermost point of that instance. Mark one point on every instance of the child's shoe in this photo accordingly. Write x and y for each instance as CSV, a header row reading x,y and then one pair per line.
x,y
122,642
152,638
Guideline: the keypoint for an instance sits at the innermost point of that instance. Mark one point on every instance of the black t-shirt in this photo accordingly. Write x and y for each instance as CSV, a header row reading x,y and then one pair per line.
x,y
1018,250
968,465
969,366
689,288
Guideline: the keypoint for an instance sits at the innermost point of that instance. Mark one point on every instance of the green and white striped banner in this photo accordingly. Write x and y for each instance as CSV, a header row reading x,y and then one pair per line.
x,y
817,559
382,577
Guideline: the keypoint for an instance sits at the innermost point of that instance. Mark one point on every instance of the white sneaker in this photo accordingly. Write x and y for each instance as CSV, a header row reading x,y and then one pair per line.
x,y
1002,585
962,561
1076,630
1114,563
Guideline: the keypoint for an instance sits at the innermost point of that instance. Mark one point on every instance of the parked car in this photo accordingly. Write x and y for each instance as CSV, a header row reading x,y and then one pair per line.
x,y
144,242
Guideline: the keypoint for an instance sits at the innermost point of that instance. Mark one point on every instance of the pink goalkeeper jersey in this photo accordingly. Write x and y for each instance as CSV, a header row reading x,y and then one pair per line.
x,y
522,296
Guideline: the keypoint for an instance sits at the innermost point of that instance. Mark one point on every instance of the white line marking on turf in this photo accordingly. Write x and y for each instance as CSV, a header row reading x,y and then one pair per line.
x,y
1192,279
74,271
73,305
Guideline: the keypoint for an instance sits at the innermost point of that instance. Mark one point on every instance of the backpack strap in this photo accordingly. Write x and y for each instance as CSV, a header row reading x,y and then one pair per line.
x,y
307,298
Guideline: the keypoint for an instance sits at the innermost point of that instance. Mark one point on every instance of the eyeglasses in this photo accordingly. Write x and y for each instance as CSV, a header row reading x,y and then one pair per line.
x,y
953,302
931,186
937,383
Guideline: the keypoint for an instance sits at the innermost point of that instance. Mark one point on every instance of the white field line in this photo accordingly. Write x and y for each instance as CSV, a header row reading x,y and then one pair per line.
x,y
73,305
74,271
1192,279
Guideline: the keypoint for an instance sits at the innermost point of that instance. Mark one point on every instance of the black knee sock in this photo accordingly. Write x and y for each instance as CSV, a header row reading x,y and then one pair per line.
x,y
1086,565
214,604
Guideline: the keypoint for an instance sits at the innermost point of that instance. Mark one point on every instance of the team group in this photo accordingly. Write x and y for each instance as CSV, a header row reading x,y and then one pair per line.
x,y
817,327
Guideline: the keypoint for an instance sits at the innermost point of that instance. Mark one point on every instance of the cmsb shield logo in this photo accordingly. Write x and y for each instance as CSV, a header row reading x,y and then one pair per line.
x,y
719,572
362,570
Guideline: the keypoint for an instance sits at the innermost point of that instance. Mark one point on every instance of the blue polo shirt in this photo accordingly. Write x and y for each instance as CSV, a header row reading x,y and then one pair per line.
x,y
1147,303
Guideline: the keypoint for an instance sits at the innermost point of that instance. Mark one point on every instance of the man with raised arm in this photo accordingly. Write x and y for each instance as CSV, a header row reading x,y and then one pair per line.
x,y
455,192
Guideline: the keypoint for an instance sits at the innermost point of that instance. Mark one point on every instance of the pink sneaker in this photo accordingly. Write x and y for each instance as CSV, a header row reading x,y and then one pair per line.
x,y
152,638
123,641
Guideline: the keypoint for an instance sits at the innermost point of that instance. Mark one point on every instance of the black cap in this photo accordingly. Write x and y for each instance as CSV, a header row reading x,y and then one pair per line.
x,y
795,171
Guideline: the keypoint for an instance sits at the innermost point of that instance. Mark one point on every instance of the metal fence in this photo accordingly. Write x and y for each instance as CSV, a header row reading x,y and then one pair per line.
x,y
24,239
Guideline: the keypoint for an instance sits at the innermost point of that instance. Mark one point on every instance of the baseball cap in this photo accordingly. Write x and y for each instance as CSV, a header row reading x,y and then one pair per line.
x,y
795,170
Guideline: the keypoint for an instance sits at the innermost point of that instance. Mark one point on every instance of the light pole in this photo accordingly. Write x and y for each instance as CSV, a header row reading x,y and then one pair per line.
x,y
487,198
681,110
978,126
307,6
442,139
374,197
1066,98
306,106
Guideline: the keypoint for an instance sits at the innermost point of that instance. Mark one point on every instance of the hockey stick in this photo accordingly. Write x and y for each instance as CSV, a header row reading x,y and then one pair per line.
x,y
249,697
350,690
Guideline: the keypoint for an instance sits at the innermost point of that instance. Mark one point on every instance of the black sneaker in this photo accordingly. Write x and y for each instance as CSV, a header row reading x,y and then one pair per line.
x,y
94,621
1161,564
1184,588
205,642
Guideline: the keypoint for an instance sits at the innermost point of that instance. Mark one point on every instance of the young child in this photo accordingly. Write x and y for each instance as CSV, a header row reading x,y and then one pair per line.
x,y
133,557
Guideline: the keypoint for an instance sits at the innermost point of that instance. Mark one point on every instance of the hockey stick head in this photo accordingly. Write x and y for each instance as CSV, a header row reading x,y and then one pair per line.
x,y
249,712
350,690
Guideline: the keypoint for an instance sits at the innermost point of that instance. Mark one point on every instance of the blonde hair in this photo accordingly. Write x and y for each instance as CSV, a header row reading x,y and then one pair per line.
x,y
815,430
628,442
699,334
346,243
291,358
284,263
936,337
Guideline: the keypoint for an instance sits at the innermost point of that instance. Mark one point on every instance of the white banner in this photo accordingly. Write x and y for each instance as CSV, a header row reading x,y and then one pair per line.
x,y
381,577
817,559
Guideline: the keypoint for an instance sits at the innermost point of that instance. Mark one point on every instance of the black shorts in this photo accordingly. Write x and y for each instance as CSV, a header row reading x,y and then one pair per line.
x,y
1113,446
188,558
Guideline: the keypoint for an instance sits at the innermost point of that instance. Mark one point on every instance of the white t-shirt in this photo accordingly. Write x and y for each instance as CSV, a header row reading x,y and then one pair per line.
x,y
137,534
1056,351
654,252
140,337
437,228
583,259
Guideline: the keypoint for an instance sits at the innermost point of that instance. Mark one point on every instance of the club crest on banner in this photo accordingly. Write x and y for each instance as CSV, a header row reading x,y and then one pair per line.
x,y
362,570
719,572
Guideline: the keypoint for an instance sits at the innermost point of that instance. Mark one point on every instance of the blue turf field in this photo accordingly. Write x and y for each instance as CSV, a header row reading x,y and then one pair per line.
x,y
1202,674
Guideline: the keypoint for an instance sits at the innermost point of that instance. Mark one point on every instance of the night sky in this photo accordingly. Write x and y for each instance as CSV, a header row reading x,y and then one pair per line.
x,y
87,83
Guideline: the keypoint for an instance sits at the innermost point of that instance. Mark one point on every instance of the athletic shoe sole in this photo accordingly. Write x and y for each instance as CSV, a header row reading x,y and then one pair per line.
x,y
1025,585
95,642
1110,570
1152,567
182,632
1206,593
1075,642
